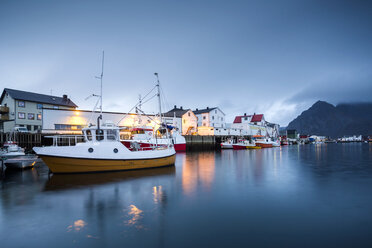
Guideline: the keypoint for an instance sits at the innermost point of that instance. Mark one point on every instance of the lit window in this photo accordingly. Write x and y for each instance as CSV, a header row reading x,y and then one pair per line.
x,y
21,104
39,117
39,106
31,116
21,115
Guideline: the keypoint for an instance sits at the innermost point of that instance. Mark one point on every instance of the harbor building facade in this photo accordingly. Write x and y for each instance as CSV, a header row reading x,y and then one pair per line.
x,y
210,117
25,109
184,118
255,125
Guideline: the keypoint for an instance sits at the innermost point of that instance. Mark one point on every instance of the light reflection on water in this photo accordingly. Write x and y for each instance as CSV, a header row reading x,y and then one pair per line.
x,y
318,195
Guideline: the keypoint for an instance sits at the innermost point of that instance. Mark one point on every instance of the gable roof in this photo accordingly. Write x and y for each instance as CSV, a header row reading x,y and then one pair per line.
x,y
201,111
257,118
179,112
40,98
238,119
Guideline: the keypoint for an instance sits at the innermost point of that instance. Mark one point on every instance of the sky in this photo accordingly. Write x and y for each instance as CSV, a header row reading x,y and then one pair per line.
x,y
271,57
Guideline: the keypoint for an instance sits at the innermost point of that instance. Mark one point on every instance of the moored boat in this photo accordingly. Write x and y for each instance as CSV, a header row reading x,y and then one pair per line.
x,y
102,151
228,144
146,138
263,143
245,144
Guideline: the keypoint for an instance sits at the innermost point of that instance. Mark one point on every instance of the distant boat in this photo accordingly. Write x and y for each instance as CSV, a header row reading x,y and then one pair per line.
x,y
228,144
245,144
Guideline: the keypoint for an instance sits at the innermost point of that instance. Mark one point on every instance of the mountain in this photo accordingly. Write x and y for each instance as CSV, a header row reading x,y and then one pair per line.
x,y
335,121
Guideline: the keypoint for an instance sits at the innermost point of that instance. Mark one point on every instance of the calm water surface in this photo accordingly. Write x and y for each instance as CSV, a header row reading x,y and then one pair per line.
x,y
297,196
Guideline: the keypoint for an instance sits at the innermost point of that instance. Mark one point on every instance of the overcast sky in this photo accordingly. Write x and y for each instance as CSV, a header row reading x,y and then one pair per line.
x,y
271,57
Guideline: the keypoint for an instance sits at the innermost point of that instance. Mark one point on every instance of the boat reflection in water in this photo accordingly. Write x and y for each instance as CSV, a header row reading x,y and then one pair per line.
x,y
71,181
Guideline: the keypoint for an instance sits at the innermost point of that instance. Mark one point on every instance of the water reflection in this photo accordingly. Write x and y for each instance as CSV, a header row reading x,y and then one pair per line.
x,y
198,169
73,181
136,214
77,226
207,199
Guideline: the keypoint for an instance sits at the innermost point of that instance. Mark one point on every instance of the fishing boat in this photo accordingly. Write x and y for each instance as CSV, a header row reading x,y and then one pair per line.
x,y
146,137
245,144
101,151
264,143
228,144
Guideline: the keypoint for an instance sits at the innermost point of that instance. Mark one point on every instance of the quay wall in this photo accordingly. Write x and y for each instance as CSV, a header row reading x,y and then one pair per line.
x,y
30,140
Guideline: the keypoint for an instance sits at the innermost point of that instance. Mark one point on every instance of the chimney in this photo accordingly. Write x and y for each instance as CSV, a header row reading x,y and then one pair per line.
x,y
197,109
181,108
64,97
175,106
245,114
207,107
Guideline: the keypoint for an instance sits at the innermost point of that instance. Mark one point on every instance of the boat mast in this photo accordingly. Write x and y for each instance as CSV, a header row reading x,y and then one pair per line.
x,y
101,77
158,85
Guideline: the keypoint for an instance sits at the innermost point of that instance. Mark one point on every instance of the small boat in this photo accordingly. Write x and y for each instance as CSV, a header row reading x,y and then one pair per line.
x,y
245,144
11,149
14,156
20,162
101,151
263,143
228,144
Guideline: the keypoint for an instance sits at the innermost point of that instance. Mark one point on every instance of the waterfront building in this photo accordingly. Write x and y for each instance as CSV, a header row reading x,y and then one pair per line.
x,y
255,125
184,118
210,117
24,109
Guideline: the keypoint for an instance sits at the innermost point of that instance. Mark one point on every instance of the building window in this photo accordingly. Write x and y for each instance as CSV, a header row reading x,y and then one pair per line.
x,y
184,121
215,111
31,116
36,128
29,127
221,118
39,106
212,117
67,127
203,117
21,104
55,107
39,117
21,115
189,114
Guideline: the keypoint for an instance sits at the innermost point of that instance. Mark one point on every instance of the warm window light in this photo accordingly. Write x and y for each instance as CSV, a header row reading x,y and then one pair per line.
x,y
77,113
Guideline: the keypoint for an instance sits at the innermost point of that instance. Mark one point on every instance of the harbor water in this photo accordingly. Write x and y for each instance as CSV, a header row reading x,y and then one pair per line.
x,y
294,196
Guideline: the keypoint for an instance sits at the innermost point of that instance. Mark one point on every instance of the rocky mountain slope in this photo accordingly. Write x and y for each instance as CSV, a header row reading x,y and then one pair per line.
x,y
335,121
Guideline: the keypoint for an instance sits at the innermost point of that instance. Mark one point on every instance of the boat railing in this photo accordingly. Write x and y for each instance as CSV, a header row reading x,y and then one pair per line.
x,y
66,140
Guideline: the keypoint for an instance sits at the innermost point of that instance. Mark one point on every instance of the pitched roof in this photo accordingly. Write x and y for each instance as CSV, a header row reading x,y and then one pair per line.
x,y
35,97
238,119
257,118
201,111
179,112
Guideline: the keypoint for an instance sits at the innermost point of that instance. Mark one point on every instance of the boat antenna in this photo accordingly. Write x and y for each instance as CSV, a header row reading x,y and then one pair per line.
x,y
100,78
158,86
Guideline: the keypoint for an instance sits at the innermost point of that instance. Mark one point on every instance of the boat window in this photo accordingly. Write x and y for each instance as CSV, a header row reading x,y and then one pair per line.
x,y
89,134
111,134
99,134
138,132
